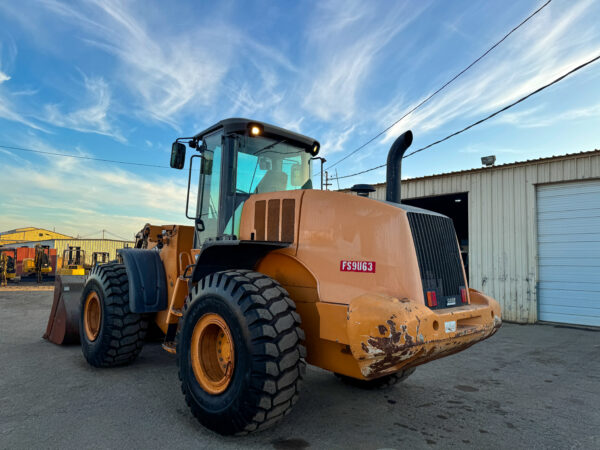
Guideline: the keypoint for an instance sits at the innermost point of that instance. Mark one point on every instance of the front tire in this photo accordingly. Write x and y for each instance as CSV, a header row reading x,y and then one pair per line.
x,y
239,352
111,335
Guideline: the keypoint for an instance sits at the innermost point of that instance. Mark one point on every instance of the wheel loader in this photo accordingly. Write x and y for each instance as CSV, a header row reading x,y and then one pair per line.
x,y
273,275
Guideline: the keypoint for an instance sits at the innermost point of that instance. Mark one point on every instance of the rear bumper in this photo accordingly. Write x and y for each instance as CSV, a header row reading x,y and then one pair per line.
x,y
387,334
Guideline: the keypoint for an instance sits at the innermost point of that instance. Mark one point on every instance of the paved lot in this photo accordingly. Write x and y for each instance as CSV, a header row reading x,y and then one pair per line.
x,y
526,387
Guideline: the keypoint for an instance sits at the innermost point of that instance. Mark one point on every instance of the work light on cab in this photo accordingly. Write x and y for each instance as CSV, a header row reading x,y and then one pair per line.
x,y
314,151
256,129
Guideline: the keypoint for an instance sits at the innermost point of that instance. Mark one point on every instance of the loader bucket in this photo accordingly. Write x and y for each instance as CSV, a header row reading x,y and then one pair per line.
x,y
63,324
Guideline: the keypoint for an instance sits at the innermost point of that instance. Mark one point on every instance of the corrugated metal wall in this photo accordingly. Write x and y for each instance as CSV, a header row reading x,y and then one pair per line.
x,y
502,223
90,246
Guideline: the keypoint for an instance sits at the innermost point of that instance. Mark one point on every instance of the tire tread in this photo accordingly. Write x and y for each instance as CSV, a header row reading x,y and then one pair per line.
x,y
125,331
276,344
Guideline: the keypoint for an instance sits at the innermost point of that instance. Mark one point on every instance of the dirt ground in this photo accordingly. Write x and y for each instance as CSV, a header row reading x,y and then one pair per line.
x,y
28,284
535,386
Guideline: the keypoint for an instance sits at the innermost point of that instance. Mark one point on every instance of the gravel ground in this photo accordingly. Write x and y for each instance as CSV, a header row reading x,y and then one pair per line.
x,y
535,386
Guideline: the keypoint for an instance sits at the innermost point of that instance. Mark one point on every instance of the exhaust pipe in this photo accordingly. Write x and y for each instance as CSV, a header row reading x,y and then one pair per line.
x,y
394,166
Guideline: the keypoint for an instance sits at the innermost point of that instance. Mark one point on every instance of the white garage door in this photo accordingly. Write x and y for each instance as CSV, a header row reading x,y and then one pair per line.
x,y
569,252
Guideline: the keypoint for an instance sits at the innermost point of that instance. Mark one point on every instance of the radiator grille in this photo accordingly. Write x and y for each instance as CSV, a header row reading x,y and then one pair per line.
x,y
438,256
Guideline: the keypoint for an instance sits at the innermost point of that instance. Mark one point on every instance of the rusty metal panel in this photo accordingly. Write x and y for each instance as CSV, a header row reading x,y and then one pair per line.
x,y
260,214
288,219
274,207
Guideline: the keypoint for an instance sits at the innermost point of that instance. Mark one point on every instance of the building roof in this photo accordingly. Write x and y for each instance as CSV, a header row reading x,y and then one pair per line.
x,y
30,234
508,165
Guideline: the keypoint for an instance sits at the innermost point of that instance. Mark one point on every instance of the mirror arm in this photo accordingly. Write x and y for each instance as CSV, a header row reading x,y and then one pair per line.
x,y
187,197
192,142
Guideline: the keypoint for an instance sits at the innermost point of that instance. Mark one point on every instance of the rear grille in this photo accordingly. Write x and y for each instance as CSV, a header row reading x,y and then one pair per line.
x,y
439,258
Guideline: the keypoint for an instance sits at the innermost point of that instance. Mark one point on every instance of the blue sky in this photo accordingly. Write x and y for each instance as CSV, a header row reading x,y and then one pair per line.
x,y
121,80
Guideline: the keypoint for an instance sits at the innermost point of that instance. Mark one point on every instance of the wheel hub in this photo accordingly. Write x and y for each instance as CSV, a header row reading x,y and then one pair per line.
x,y
212,353
92,316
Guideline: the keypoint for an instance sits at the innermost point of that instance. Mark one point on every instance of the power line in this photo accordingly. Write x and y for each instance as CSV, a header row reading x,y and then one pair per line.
x,y
117,236
90,234
443,86
22,149
581,66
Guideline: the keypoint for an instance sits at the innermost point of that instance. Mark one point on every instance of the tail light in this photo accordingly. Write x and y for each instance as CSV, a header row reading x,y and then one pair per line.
x,y
431,299
463,294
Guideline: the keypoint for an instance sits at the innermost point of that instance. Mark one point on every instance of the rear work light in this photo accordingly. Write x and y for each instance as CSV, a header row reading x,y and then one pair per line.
x,y
463,294
431,299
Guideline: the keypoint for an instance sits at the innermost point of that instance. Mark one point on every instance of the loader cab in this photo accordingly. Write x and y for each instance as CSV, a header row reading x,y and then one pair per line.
x,y
239,158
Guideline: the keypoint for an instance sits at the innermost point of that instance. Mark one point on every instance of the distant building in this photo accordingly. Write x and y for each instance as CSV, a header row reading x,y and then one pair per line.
x,y
29,234
529,232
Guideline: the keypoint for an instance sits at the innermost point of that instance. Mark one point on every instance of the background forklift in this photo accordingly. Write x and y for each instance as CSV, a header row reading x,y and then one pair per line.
x,y
72,262
273,275
99,258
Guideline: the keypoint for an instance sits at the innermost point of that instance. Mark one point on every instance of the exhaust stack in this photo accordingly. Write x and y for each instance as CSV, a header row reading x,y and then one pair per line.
x,y
394,166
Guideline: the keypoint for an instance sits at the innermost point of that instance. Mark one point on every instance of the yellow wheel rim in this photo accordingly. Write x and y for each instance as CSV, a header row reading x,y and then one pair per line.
x,y
92,316
212,353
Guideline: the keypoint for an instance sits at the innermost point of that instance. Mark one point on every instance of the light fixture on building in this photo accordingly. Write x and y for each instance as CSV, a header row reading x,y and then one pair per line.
x,y
488,160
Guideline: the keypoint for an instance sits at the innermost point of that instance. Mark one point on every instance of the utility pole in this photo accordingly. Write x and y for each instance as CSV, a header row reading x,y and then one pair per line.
x,y
327,183
323,161
337,179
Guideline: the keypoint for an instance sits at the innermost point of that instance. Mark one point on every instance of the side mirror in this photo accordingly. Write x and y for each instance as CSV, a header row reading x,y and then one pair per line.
x,y
297,179
177,155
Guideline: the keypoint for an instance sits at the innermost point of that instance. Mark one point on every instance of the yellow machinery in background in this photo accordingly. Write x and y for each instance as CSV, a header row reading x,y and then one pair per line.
x,y
99,258
8,266
73,261
39,264
273,275
3,269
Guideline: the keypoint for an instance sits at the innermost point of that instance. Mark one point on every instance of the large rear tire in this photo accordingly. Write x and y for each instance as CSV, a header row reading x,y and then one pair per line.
x,y
111,335
239,352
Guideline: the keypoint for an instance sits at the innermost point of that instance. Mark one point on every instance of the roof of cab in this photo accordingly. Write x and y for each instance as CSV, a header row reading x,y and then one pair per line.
x,y
237,125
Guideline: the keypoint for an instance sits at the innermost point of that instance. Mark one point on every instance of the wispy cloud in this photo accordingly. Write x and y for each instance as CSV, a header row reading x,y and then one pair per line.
x,y
531,118
173,71
112,198
8,110
557,40
335,141
93,117
344,41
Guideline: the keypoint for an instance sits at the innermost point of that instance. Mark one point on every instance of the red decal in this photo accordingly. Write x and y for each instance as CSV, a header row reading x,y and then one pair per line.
x,y
357,266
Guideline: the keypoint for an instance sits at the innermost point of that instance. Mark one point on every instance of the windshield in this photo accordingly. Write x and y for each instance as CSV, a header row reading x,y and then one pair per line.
x,y
270,165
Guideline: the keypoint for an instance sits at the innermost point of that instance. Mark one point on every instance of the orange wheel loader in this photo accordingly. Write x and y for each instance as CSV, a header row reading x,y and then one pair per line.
x,y
274,274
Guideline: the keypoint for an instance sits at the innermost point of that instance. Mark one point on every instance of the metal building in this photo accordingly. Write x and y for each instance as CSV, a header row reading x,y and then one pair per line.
x,y
28,234
529,232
